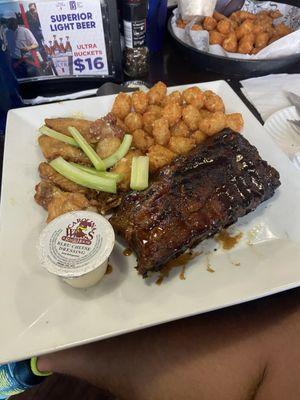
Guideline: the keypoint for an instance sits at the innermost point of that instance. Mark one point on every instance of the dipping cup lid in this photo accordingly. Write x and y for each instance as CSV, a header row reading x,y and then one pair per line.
x,y
75,243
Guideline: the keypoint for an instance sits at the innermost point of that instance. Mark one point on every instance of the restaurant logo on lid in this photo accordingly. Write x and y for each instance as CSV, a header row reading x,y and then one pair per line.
x,y
80,231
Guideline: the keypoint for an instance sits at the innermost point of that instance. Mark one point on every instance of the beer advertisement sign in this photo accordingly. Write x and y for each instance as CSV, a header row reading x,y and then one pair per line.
x,y
53,38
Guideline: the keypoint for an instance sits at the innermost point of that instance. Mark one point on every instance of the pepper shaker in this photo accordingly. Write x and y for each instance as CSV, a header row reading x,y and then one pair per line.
x,y
136,53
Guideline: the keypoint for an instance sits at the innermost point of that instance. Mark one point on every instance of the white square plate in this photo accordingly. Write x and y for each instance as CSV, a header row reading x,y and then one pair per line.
x,y
40,314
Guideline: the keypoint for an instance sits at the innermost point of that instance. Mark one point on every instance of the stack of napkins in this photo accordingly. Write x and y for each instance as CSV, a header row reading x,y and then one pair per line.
x,y
267,93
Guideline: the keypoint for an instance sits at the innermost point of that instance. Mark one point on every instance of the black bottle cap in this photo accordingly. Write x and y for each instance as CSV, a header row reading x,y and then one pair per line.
x,y
134,10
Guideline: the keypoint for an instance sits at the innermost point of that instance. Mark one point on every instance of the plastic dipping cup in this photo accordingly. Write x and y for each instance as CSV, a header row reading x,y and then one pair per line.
x,y
76,247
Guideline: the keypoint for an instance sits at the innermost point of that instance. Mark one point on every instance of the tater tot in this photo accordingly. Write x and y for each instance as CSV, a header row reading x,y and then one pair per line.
x,y
181,145
194,96
235,121
139,101
157,110
197,27
209,23
161,131
256,50
246,43
244,29
258,28
159,156
213,102
148,118
180,129
236,18
224,26
123,167
282,30
218,16
263,13
173,97
230,43
264,19
245,15
204,113
273,39
134,121
199,136
142,140
172,112
275,14
261,39
234,24
122,105
216,37
190,116
157,93
261,26
214,124
107,146
180,23
270,29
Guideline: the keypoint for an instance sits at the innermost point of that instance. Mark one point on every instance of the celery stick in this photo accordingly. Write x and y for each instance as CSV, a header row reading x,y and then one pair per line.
x,y
103,174
88,150
120,153
139,173
44,130
83,178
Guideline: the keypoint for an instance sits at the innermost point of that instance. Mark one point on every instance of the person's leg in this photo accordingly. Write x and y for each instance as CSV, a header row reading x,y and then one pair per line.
x,y
243,353
282,341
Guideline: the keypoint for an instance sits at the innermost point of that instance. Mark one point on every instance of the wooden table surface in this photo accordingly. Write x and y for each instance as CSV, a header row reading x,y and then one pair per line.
x,y
172,68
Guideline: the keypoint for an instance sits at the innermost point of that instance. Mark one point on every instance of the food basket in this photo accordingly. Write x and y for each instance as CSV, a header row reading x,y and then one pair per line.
x,y
233,66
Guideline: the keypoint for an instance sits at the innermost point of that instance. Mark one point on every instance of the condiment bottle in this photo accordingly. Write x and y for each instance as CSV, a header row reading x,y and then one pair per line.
x,y
136,53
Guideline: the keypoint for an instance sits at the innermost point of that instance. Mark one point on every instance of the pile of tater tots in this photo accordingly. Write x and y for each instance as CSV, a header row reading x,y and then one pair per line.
x,y
166,125
243,32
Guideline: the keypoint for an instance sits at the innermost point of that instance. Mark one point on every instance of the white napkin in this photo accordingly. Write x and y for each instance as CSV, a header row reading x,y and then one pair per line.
x,y
192,8
69,96
267,93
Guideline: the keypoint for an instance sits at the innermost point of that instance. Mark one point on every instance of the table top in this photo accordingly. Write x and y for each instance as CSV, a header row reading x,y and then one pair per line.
x,y
172,68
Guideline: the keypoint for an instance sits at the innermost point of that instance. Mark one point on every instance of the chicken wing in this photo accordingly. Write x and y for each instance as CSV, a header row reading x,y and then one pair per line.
x,y
104,202
105,127
53,148
44,193
48,174
58,202
62,124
